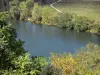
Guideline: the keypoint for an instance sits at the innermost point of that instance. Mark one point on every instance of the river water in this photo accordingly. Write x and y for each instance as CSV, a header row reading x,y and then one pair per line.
x,y
40,40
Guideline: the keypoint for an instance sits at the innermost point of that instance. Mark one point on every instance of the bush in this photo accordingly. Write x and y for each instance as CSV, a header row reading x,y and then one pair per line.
x,y
3,16
14,11
9,46
23,10
81,23
95,27
63,64
48,17
37,13
64,20
84,62
88,60
20,9
30,5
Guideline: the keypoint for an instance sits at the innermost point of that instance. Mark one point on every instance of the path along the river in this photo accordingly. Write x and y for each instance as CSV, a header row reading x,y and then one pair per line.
x,y
52,5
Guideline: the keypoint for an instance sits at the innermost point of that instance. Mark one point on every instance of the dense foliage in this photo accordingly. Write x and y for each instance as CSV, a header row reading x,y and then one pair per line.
x,y
85,62
36,13
20,9
14,60
9,47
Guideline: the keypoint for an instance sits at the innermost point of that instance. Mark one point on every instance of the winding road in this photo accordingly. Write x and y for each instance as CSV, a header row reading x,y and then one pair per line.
x,y
55,7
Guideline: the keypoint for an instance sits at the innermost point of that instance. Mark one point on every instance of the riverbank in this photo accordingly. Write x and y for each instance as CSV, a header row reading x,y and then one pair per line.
x,y
69,20
72,22
44,14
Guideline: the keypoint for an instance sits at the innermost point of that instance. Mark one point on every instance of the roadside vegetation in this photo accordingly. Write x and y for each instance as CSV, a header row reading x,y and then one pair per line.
x,y
14,60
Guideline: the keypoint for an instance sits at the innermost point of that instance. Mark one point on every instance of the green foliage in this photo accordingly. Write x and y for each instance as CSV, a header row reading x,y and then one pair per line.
x,y
29,4
3,16
39,63
95,27
65,20
23,10
36,13
48,17
29,10
9,46
20,9
89,60
23,65
13,58
14,11
26,9
21,61
81,23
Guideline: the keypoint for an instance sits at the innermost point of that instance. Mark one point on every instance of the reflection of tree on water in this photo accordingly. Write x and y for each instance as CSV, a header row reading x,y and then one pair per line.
x,y
87,37
33,28
95,38
83,37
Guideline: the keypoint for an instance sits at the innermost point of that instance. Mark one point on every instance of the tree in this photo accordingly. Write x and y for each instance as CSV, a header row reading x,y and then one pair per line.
x,y
14,10
37,13
14,60
9,46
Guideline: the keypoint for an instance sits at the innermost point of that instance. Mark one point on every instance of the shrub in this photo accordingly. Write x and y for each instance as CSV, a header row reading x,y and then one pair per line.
x,y
29,4
20,9
37,13
25,66
63,64
88,60
3,16
84,62
9,46
65,20
48,17
14,11
95,27
81,23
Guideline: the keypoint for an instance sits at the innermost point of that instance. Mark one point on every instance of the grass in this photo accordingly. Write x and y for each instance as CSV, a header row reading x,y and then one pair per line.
x,y
88,9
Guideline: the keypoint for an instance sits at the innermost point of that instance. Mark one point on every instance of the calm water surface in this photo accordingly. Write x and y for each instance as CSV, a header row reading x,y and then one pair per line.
x,y
40,40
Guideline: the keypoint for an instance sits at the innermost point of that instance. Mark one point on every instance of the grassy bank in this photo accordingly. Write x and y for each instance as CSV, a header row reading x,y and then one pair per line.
x,y
88,9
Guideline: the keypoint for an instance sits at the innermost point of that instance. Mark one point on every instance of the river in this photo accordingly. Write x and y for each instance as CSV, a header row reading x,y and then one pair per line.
x,y
40,40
